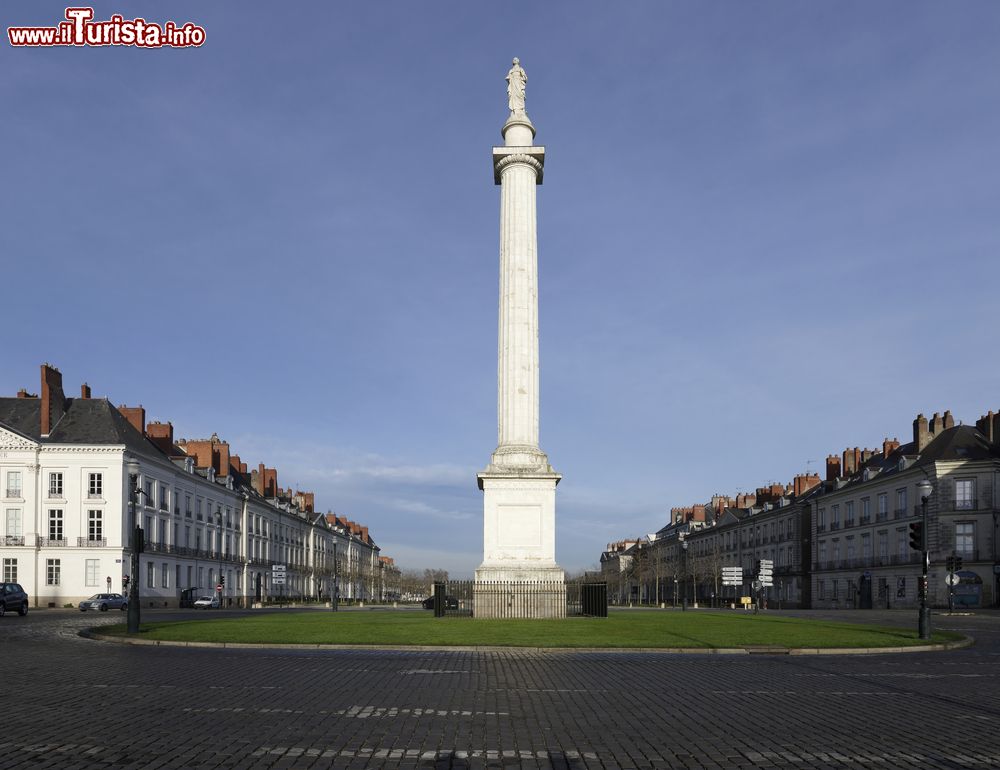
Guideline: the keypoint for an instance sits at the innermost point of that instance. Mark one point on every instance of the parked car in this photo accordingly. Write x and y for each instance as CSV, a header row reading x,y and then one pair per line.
x,y
13,597
104,602
204,602
450,603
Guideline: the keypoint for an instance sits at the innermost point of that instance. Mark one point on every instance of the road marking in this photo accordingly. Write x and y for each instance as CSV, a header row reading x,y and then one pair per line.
x,y
810,693
298,751
435,671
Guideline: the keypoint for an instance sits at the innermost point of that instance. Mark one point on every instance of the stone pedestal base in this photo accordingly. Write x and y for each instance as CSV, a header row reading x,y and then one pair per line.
x,y
519,577
513,592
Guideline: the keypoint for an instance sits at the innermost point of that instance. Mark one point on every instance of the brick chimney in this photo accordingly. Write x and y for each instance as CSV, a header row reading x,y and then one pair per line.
x,y
266,481
987,425
220,458
949,421
832,467
85,391
852,461
921,436
22,393
210,453
889,446
804,482
161,434
937,424
53,400
136,415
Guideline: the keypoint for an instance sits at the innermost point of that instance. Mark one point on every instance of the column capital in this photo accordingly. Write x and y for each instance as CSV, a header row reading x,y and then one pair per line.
x,y
530,156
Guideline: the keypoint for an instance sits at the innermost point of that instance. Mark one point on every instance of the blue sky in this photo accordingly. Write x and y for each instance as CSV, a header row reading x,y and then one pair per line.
x,y
768,231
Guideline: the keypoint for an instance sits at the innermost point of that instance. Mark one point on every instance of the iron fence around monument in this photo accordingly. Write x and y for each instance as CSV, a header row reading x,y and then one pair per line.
x,y
457,598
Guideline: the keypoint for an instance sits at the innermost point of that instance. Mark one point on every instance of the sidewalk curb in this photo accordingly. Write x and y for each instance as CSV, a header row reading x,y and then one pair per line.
x,y
968,641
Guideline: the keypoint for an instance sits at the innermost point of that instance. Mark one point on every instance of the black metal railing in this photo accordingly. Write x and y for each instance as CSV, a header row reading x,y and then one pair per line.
x,y
520,598
53,542
13,540
91,542
14,493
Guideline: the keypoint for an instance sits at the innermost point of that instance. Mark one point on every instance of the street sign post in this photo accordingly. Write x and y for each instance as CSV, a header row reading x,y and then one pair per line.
x,y
732,576
278,578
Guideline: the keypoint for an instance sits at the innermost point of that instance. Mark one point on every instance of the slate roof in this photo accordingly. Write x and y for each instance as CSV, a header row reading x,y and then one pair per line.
x,y
23,415
86,421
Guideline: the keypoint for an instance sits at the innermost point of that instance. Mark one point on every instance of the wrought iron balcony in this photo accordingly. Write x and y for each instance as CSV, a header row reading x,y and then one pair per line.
x,y
14,492
13,540
89,542
53,542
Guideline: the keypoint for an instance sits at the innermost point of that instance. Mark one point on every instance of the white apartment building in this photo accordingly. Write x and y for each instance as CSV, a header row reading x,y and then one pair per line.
x,y
66,514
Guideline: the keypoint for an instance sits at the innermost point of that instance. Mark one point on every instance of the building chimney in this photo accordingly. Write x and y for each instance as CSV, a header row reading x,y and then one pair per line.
x,y
804,482
937,424
852,461
136,415
949,421
921,437
889,446
984,425
53,400
220,458
85,391
162,435
832,467
22,393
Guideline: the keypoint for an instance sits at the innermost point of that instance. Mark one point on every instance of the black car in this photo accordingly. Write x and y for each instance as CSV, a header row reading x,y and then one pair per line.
x,y
450,603
13,597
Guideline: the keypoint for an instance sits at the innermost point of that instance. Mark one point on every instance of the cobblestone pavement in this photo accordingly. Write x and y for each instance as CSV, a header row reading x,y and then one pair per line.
x,y
75,703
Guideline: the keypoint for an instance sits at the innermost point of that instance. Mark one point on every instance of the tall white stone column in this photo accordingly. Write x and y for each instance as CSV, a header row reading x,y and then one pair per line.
x,y
519,576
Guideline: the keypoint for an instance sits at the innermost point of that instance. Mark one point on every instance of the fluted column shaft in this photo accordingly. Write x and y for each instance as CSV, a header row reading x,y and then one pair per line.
x,y
517,374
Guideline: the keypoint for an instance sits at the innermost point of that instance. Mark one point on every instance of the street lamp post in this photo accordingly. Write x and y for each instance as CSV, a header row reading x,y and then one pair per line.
x,y
335,595
996,568
135,542
222,580
924,489
684,600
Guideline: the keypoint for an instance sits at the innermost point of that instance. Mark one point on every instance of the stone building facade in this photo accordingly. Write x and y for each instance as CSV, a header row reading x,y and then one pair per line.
x,y
206,519
843,541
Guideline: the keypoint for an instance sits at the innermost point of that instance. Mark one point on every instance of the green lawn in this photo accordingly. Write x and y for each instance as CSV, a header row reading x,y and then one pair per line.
x,y
621,629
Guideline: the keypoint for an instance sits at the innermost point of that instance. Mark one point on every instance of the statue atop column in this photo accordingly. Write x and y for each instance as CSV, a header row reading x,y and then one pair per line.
x,y
517,78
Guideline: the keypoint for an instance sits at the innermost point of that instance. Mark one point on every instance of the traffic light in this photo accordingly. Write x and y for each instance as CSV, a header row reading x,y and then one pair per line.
x,y
124,581
222,580
756,567
954,563
140,540
917,535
